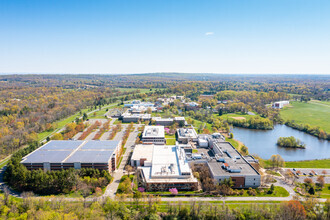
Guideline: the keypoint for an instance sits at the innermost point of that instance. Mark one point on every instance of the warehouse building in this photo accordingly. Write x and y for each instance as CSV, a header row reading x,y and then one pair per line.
x,y
163,167
153,135
61,154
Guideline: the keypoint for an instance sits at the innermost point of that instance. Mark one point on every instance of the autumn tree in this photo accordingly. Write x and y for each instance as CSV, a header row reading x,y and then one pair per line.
x,y
276,161
293,210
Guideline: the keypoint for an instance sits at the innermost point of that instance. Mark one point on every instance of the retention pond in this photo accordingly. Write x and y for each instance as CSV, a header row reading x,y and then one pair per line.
x,y
263,143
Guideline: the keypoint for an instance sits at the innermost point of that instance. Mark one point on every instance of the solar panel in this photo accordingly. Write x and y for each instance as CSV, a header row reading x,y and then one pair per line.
x,y
90,157
61,145
47,156
95,145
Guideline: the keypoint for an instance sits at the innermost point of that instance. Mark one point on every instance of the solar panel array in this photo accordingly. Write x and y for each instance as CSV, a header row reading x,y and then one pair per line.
x,y
58,151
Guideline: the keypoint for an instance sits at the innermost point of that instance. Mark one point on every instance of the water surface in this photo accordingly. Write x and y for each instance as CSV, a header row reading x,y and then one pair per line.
x,y
263,143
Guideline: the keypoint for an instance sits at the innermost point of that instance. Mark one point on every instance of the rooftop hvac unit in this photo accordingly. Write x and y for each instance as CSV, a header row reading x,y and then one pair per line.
x,y
234,171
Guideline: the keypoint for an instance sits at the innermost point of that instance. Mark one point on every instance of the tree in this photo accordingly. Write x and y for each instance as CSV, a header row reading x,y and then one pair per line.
x,y
110,207
85,117
57,136
293,209
271,189
320,181
129,169
276,161
311,190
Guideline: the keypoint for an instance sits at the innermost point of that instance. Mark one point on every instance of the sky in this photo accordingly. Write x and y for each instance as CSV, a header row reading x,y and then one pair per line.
x,y
142,36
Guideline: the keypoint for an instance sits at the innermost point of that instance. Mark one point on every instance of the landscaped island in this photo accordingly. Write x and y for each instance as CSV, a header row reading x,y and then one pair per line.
x,y
291,142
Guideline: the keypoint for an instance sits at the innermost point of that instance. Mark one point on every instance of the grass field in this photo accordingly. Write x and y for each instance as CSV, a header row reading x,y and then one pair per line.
x,y
309,164
314,112
325,192
237,116
170,141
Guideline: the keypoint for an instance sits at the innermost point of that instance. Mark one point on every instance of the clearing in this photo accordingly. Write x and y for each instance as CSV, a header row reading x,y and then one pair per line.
x,y
315,113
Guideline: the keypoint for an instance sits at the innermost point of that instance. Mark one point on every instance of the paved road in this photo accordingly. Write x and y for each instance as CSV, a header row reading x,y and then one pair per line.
x,y
112,188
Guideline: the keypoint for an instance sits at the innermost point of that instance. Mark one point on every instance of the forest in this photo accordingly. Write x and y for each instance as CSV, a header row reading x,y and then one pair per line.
x,y
29,107
31,104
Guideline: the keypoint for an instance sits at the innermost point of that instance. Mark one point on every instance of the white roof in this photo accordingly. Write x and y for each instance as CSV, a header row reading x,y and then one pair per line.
x,y
143,151
187,133
169,161
153,131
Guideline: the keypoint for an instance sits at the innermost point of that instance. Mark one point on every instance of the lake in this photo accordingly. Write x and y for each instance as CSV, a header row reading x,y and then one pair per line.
x,y
263,143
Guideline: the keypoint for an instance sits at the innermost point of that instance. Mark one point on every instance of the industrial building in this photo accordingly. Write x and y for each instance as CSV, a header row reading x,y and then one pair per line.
x,y
65,154
229,163
153,135
186,135
161,167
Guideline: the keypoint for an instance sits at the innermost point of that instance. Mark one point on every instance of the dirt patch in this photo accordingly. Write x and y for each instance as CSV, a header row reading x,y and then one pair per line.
x,y
238,118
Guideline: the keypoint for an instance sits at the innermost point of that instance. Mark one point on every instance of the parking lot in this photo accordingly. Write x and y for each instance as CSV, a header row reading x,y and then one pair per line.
x,y
303,173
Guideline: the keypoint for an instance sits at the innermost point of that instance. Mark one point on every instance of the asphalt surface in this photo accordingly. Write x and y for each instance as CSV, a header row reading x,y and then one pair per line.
x,y
307,171
112,188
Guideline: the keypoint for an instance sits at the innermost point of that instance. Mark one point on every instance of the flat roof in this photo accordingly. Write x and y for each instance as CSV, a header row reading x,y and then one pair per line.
x,y
153,131
234,161
69,151
143,151
169,161
148,178
187,133
168,164
161,119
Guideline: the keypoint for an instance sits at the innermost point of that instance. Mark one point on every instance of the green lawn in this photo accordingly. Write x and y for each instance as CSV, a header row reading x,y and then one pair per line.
x,y
170,141
314,112
325,192
4,162
308,164
233,115
169,136
233,142
278,192
198,123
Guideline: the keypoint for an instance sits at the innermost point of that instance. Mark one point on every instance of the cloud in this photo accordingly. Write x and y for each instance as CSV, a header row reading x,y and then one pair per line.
x,y
209,33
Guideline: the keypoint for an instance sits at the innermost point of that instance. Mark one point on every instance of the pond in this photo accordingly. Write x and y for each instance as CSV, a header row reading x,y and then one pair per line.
x,y
263,143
